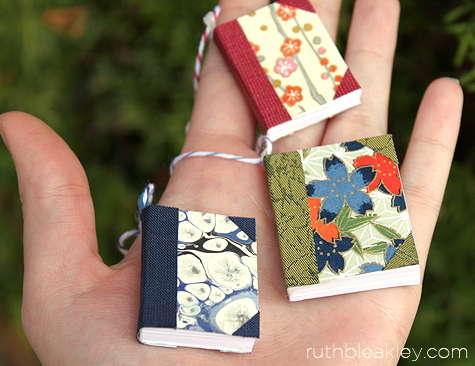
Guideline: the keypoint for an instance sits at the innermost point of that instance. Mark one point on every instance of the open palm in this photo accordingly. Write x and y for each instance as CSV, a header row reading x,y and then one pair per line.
x,y
78,311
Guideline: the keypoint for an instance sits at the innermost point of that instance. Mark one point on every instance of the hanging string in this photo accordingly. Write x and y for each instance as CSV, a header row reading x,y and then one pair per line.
x,y
260,149
145,200
263,144
263,147
146,197
210,21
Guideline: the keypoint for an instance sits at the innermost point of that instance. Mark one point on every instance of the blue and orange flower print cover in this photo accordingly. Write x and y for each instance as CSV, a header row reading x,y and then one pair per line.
x,y
340,211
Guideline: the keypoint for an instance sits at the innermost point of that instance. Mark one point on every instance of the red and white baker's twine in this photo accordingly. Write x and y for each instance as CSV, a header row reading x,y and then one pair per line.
x,y
210,21
263,144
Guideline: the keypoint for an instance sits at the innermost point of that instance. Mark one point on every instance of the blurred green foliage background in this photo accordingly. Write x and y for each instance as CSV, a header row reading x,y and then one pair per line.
x,y
114,79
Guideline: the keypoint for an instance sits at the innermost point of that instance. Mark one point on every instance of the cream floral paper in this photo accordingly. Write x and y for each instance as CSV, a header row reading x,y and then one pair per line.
x,y
297,54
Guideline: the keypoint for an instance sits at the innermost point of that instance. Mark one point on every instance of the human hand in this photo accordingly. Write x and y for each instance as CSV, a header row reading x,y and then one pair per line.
x,y
78,311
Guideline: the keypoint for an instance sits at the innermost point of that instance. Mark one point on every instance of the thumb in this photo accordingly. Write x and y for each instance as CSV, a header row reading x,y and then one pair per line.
x,y
59,231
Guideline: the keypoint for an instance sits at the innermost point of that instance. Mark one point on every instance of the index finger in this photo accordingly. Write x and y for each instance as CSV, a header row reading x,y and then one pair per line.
x,y
221,111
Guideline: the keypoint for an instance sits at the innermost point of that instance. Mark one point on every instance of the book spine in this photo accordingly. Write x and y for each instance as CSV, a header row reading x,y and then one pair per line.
x,y
265,103
286,182
158,292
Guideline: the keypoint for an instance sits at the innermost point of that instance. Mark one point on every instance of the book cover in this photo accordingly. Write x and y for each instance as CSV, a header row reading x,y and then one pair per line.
x,y
342,219
199,280
288,66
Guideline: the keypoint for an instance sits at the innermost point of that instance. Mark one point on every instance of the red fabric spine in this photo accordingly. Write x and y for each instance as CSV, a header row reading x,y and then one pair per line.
x,y
347,85
265,103
300,4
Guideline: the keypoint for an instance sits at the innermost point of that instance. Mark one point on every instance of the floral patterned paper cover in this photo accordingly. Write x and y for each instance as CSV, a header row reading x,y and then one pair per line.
x,y
297,55
340,211
288,66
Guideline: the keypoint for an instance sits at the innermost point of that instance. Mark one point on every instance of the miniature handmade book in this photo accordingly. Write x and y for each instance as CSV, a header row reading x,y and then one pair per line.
x,y
287,66
199,280
342,219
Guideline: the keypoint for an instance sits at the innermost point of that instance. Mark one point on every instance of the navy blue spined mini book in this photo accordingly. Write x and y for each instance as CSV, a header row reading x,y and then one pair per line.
x,y
199,280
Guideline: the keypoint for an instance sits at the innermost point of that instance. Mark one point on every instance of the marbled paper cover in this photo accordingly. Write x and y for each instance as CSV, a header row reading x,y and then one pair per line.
x,y
217,274
340,211
199,272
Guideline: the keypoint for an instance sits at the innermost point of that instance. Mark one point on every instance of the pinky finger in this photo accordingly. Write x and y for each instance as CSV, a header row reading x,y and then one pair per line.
x,y
427,164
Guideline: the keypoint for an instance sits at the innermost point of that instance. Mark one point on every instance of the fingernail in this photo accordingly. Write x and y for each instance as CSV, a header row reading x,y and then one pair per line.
x,y
2,134
454,79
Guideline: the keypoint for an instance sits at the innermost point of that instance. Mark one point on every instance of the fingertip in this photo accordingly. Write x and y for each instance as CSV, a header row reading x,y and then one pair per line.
x,y
39,153
5,121
447,89
374,29
453,79
14,124
442,107
380,9
15,117
230,9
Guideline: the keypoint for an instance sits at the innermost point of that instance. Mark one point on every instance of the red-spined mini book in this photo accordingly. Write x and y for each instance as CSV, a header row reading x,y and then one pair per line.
x,y
288,66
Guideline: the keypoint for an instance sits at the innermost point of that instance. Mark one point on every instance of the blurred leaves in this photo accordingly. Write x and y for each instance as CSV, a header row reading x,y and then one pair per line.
x,y
461,23
114,79
72,21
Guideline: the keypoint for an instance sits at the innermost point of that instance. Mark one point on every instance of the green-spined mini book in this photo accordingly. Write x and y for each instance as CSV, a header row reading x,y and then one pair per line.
x,y
342,220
